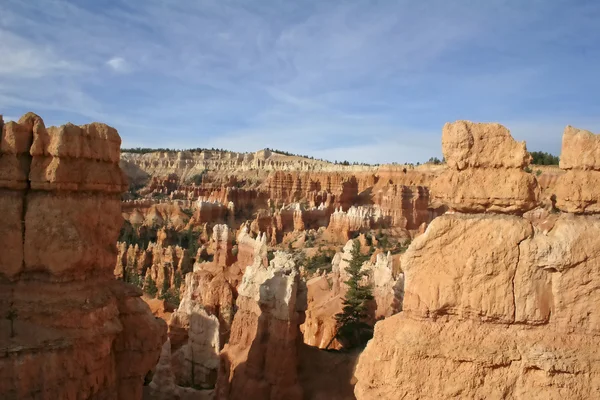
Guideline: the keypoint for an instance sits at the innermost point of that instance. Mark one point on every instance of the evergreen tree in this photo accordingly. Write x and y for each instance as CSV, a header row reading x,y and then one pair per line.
x,y
352,330
150,287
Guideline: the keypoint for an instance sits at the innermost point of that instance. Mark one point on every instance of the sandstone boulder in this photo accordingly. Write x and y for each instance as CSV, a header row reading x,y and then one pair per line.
x,y
485,171
580,150
578,190
466,144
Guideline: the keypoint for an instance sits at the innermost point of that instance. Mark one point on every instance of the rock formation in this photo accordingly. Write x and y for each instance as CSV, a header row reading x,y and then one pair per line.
x,y
325,294
260,361
69,329
196,362
478,177
222,244
496,305
388,285
578,191
251,251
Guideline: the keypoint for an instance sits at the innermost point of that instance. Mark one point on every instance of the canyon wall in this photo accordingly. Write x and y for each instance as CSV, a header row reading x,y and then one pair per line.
x,y
69,330
502,304
233,188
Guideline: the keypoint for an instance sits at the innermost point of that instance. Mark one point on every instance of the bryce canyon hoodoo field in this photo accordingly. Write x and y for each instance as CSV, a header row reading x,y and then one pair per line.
x,y
299,200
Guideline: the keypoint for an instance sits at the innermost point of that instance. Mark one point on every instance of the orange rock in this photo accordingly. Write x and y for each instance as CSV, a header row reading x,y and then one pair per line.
x,y
577,191
466,144
78,333
496,306
485,171
580,150
260,361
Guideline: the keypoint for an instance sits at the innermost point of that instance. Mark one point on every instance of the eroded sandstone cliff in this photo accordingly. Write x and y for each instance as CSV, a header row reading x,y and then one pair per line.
x,y
69,330
497,305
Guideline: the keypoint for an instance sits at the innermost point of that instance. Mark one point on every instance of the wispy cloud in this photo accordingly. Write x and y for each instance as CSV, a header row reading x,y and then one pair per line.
x,y
22,58
118,64
361,80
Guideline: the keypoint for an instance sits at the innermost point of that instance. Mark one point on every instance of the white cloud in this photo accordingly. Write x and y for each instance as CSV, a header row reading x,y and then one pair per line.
x,y
7,118
24,59
118,64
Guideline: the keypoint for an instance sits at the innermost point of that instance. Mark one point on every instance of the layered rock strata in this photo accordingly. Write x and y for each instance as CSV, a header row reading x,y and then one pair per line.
x,y
69,329
578,190
496,305
478,177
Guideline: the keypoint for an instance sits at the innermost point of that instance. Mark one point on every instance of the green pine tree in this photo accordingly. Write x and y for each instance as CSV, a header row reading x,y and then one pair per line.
x,y
352,330
150,287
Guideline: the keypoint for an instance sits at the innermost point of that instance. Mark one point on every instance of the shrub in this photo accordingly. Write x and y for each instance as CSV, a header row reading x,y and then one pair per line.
x,y
321,260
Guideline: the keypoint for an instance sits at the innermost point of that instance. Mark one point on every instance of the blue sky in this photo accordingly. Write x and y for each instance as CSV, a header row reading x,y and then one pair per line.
x,y
359,80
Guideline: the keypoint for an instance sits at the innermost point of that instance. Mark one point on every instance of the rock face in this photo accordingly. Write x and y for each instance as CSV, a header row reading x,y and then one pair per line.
x,y
71,330
232,188
577,191
261,361
496,306
221,243
197,361
485,170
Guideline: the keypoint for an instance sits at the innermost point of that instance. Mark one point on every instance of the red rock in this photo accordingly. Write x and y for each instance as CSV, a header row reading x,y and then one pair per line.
x,y
78,333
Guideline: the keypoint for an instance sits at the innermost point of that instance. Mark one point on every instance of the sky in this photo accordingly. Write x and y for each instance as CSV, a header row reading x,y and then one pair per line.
x,y
368,81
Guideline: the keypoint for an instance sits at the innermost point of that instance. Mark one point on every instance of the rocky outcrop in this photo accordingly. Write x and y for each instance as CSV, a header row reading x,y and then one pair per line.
x,y
343,225
404,206
496,305
163,385
387,283
69,329
578,190
251,251
485,170
209,212
163,264
186,164
323,303
260,361
195,363
221,245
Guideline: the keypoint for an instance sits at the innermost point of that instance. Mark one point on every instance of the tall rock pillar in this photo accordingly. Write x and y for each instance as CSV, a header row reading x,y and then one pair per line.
x,y
69,330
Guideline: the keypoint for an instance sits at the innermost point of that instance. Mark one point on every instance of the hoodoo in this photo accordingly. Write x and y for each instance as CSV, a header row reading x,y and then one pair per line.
x,y
69,329
497,305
